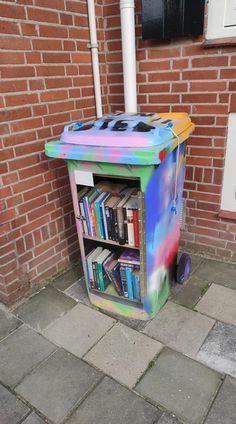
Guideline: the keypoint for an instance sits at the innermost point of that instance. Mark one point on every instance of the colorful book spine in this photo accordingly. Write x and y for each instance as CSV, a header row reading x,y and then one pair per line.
x,y
82,213
108,223
129,280
85,203
136,285
123,280
136,227
104,219
130,226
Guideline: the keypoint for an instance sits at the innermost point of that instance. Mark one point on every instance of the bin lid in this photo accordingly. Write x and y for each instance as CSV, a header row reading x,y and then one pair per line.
x,y
141,138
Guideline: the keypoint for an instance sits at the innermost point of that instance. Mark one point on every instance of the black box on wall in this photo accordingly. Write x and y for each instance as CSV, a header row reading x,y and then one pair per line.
x,y
165,19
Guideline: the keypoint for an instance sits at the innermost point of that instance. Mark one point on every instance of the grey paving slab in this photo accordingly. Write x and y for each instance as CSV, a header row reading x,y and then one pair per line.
x,y
44,308
219,302
223,410
219,349
136,324
20,352
183,386
58,384
12,410
8,323
78,292
124,354
111,403
180,328
69,277
217,272
33,419
168,419
79,329
190,292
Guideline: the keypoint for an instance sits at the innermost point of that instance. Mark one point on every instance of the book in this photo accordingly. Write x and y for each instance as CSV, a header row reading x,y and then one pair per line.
x,y
136,284
98,214
82,213
99,269
80,194
113,218
93,194
123,280
129,281
89,259
120,214
130,205
113,273
130,256
136,227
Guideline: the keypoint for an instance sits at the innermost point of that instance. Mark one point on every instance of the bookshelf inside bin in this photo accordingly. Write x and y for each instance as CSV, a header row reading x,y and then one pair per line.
x,y
91,242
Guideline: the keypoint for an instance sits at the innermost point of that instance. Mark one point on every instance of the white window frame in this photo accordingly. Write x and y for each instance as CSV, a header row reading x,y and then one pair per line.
x,y
228,199
217,28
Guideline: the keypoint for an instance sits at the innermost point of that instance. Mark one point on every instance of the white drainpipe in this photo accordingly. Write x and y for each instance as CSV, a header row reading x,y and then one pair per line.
x,y
128,53
95,61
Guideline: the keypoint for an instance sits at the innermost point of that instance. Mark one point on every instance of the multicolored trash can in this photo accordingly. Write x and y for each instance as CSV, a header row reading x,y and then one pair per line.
x,y
117,164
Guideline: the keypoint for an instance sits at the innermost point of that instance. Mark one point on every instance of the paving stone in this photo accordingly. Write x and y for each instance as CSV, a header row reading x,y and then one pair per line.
x,y
68,278
124,354
20,352
78,292
58,384
223,410
111,403
12,410
219,349
183,386
190,292
219,302
217,272
79,329
34,419
167,419
8,323
44,308
136,324
180,328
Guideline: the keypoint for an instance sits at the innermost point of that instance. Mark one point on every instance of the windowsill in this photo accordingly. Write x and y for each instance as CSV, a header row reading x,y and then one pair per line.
x,y
219,42
227,215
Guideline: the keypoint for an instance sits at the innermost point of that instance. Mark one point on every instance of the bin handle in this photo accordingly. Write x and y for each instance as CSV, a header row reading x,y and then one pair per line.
x,y
174,204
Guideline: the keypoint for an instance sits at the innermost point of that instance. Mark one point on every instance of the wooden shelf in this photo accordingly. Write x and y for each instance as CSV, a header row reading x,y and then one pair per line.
x,y
110,293
114,243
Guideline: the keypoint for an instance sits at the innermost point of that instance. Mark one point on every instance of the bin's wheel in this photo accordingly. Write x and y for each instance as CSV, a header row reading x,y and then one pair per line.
x,y
183,268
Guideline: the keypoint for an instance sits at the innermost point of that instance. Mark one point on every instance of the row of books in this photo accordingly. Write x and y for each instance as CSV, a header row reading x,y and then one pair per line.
x,y
109,211
122,271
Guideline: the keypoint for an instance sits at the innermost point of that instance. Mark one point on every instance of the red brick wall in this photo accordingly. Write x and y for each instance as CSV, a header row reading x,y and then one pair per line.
x,y
182,75
46,81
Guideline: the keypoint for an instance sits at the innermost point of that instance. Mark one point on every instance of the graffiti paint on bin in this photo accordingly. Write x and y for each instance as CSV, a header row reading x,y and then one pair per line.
x,y
162,228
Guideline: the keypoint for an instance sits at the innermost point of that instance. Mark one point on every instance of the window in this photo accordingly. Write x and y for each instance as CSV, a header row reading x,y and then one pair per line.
x,y
228,201
221,24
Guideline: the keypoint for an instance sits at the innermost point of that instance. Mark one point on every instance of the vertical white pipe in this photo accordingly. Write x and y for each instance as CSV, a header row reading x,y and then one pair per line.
x,y
95,60
128,54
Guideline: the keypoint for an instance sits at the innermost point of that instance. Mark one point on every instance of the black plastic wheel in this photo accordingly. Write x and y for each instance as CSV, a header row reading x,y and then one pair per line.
x,y
183,268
